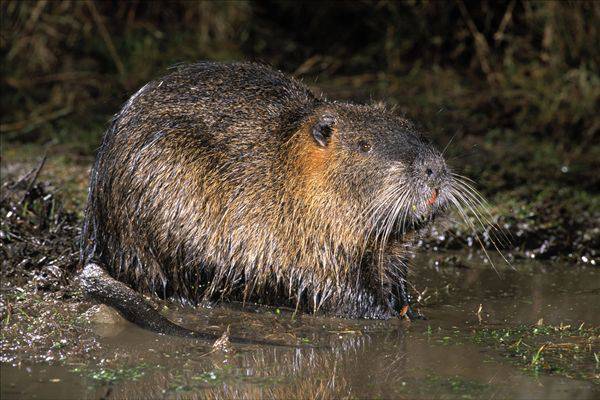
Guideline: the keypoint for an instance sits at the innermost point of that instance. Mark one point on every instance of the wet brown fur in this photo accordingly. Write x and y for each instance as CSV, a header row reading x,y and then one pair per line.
x,y
209,185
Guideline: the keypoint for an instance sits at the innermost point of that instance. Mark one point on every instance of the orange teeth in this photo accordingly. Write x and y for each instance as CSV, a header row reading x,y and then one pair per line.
x,y
433,197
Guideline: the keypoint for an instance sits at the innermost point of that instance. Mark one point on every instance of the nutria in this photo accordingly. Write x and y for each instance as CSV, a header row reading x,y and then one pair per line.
x,y
234,182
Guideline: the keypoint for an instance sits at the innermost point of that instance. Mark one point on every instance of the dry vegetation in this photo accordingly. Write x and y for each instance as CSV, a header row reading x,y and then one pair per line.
x,y
68,65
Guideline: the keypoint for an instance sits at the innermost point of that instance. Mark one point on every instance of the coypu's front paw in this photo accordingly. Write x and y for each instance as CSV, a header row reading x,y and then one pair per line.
x,y
405,310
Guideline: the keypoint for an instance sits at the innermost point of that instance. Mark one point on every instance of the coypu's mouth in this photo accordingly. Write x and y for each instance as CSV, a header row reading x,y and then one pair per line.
x,y
434,195
413,211
425,211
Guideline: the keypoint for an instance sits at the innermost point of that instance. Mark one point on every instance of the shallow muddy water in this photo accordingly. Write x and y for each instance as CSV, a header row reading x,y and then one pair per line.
x,y
457,352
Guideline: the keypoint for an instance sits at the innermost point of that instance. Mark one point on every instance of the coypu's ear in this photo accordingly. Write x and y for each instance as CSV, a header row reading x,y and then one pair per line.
x,y
323,129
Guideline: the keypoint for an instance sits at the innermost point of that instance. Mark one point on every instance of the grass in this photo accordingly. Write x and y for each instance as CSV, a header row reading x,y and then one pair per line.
x,y
69,66
560,350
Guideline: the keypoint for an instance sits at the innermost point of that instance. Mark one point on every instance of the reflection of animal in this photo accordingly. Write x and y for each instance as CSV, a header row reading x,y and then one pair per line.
x,y
232,181
335,371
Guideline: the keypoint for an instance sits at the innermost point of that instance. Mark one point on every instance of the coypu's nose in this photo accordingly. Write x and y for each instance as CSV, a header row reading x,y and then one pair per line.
x,y
434,174
431,169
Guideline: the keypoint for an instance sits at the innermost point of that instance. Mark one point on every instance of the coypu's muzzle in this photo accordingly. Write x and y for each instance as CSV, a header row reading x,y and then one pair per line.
x,y
431,183
419,192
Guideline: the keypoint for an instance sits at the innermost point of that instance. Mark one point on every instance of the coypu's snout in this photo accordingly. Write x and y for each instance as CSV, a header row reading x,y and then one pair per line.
x,y
431,179
431,170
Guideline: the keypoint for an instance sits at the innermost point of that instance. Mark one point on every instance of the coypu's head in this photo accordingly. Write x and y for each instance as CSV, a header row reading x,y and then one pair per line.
x,y
384,164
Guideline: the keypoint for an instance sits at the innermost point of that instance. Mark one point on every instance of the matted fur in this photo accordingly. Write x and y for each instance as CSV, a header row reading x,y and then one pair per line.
x,y
209,185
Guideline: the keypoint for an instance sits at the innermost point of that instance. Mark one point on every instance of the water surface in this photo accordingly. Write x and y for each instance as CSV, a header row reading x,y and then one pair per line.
x,y
440,357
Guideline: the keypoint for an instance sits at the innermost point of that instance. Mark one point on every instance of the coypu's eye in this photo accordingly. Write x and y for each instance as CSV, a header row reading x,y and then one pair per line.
x,y
364,146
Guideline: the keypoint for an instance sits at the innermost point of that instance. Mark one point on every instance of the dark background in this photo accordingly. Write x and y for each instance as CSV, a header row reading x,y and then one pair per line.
x,y
516,85
67,66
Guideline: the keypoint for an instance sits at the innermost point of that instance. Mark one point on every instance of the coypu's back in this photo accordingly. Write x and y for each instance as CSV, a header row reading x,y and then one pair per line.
x,y
232,181
177,144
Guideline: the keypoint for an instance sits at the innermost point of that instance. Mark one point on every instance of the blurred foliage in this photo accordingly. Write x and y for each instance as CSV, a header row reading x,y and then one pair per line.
x,y
528,66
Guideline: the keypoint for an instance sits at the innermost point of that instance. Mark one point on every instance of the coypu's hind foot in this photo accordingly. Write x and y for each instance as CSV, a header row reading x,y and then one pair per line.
x,y
102,287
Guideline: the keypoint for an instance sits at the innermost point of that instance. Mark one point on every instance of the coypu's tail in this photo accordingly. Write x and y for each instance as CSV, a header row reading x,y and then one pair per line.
x,y
102,287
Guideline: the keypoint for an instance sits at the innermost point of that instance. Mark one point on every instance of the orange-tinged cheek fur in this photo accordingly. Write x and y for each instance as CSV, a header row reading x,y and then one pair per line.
x,y
329,216
312,160
308,170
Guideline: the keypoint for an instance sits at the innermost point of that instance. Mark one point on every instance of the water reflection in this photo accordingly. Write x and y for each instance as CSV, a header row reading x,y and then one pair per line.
x,y
340,358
